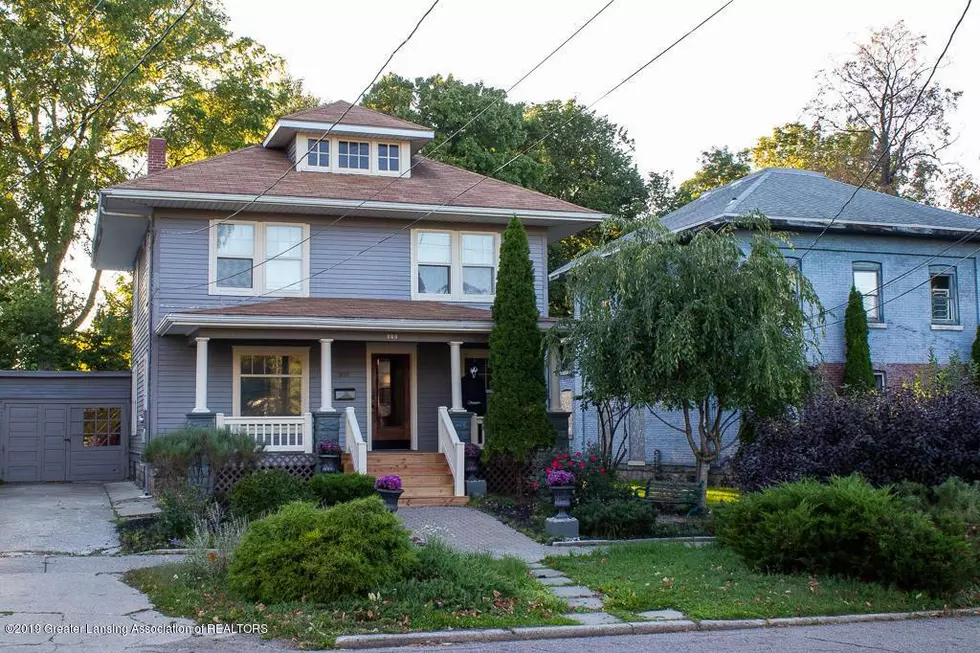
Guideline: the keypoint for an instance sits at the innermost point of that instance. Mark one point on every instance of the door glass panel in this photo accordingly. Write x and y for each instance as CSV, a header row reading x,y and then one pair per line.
x,y
101,427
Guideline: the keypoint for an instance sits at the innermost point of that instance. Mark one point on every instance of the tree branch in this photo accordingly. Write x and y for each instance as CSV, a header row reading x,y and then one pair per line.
x,y
89,302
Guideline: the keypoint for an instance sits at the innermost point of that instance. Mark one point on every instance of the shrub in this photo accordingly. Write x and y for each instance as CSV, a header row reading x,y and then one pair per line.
x,y
331,489
593,481
196,455
887,438
306,553
264,492
845,528
953,506
615,519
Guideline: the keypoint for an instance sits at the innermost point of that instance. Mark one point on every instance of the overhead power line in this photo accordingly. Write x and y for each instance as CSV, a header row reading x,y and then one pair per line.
x,y
438,147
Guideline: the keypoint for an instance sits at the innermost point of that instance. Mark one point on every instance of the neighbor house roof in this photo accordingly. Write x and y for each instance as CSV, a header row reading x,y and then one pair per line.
x,y
356,116
390,315
253,170
803,198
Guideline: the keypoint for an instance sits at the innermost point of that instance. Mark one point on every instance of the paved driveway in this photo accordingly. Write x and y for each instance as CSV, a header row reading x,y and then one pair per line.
x,y
73,518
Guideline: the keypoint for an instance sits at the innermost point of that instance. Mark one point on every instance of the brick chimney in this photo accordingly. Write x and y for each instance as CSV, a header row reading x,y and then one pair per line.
x,y
157,153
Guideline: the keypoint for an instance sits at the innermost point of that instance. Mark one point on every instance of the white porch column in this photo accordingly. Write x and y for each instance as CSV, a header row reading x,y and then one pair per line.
x,y
326,375
201,384
457,381
554,384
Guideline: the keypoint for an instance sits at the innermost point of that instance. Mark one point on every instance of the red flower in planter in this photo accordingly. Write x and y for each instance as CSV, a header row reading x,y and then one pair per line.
x,y
592,459
602,471
582,465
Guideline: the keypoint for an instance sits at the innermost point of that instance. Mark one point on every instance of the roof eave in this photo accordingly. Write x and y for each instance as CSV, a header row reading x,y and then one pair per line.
x,y
287,127
859,226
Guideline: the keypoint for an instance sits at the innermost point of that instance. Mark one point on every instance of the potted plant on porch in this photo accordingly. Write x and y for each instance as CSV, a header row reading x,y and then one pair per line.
x,y
329,454
390,489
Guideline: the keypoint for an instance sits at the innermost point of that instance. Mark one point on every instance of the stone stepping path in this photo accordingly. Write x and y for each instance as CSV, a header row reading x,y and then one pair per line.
x,y
582,598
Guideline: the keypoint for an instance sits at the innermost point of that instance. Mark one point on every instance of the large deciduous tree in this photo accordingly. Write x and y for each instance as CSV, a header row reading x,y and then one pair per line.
x,y
719,166
704,323
874,94
843,156
72,120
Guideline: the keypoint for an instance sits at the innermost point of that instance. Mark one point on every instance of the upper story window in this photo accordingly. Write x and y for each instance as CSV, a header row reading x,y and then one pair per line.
x,y
259,258
355,155
454,265
388,157
318,153
942,286
867,281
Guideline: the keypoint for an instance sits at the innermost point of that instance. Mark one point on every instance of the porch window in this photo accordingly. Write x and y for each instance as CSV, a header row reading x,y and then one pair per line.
x,y
354,155
259,258
271,384
454,265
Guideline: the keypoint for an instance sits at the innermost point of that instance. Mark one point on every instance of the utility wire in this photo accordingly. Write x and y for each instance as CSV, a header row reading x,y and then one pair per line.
x,y
442,144
78,30
315,144
511,160
75,131
885,150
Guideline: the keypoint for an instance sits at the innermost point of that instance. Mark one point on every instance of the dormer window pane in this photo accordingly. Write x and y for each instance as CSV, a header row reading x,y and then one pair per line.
x,y
318,154
353,155
388,157
236,249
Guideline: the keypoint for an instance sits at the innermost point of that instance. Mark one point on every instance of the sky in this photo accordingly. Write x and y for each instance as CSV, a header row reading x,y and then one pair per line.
x,y
746,71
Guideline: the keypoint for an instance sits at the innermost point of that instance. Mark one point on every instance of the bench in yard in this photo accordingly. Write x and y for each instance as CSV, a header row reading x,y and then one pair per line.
x,y
686,496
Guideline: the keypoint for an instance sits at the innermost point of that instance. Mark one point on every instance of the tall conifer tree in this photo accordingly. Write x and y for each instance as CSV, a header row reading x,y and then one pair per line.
x,y
859,376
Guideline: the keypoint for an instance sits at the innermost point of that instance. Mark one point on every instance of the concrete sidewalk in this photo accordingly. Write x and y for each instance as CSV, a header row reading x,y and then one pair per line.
x,y
73,518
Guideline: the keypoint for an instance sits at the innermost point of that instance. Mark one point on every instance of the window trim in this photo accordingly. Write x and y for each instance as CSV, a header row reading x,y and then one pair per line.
x,y
236,373
884,380
954,291
259,258
301,146
871,266
455,266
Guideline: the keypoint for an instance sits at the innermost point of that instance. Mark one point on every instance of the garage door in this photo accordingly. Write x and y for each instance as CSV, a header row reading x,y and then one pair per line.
x,y
51,441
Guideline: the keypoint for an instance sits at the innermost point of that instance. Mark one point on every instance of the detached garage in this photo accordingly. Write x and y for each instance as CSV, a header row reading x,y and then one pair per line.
x,y
64,426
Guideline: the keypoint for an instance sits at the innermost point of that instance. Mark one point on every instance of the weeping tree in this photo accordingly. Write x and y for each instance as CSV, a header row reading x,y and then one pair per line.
x,y
705,324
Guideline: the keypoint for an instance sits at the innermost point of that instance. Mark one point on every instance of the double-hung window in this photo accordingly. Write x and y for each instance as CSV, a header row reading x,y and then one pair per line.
x,y
259,258
353,155
454,265
942,286
318,153
867,281
387,157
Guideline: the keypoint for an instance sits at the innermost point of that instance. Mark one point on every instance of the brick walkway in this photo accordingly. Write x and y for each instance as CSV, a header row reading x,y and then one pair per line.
x,y
467,529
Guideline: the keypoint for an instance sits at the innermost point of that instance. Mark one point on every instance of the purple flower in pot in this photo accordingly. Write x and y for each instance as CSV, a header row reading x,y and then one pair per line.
x,y
390,489
562,486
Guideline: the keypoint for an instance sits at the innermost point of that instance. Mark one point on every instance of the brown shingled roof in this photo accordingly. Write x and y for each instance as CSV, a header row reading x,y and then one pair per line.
x,y
254,169
356,116
349,308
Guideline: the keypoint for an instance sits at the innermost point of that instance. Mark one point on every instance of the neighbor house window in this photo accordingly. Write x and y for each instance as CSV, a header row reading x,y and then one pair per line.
x,y
270,383
259,258
318,154
453,264
101,427
867,281
880,381
387,157
942,285
354,155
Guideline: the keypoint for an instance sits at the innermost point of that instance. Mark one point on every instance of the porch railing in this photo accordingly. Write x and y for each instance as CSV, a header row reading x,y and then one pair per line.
x,y
453,449
292,433
354,442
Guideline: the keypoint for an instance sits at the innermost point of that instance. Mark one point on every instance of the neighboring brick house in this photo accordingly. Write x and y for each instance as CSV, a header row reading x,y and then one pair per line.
x,y
916,265
345,299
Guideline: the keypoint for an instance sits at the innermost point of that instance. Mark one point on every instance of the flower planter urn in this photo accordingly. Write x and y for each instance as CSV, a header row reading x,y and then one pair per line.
x,y
471,465
562,496
390,498
329,463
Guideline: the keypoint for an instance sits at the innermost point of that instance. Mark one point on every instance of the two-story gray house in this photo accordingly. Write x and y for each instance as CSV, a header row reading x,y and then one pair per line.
x,y
916,266
330,282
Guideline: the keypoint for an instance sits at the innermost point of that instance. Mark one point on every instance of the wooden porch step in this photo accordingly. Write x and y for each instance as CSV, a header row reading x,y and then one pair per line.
x,y
421,502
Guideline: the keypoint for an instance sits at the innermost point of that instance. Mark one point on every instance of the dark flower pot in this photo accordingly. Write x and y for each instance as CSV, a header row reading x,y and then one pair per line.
x,y
471,465
562,495
329,463
390,498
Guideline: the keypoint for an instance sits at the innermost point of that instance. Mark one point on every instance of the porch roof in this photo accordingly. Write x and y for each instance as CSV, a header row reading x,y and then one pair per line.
x,y
382,315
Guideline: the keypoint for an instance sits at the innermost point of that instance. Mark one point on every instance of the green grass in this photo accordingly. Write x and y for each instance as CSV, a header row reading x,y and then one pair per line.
x,y
452,590
712,582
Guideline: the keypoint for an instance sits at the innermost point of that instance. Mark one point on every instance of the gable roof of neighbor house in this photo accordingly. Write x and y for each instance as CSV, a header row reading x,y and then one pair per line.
x,y
356,116
802,198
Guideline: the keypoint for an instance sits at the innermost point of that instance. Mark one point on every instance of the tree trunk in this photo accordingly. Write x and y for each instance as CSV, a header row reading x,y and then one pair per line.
x,y
703,468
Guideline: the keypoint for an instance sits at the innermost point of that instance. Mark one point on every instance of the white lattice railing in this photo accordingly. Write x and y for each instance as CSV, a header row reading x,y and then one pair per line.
x,y
354,442
274,433
453,449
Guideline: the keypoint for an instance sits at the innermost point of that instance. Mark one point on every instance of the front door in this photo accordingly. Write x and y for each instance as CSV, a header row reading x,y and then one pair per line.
x,y
391,417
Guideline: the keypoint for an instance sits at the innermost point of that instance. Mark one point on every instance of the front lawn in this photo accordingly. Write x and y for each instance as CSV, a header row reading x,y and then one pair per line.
x,y
468,591
712,582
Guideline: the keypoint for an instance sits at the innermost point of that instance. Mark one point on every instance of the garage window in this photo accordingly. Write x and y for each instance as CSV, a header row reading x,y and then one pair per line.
x,y
102,427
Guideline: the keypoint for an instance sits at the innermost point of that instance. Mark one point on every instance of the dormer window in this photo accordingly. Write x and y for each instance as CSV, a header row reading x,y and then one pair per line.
x,y
388,157
354,155
318,154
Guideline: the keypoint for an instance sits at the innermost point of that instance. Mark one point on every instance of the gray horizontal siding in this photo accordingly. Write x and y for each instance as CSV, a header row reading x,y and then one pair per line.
x,y
435,390
65,386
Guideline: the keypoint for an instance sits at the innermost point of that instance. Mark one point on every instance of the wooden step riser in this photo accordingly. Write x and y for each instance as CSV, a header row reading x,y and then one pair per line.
x,y
422,492
432,501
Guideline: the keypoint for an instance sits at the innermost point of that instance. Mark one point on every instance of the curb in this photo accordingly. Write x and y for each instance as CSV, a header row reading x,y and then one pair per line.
x,y
644,540
630,628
